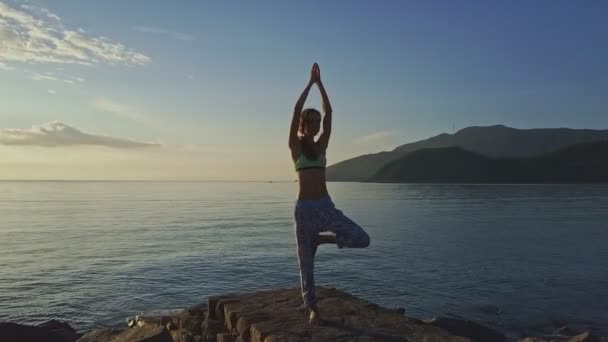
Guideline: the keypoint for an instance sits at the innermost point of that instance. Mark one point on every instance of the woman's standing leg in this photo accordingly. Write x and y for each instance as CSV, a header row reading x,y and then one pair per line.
x,y
305,238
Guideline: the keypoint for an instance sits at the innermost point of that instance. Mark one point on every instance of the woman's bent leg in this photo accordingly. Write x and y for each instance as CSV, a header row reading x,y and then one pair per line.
x,y
348,233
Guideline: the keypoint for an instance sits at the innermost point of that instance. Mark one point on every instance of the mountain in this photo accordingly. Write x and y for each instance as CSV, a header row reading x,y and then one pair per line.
x,y
492,141
587,162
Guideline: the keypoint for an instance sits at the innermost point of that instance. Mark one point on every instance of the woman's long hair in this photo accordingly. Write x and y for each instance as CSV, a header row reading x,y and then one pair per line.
x,y
307,149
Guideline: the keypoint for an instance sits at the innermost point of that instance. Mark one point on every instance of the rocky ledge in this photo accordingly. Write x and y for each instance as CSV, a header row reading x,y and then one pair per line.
x,y
278,316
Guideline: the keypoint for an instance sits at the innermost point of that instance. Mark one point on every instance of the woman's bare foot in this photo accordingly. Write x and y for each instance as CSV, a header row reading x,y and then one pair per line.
x,y
314,318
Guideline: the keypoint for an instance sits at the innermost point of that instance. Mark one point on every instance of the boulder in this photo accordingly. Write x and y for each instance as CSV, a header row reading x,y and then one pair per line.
x,y
211,327
52,331
104,334
146,333
564,331
466,328
584,337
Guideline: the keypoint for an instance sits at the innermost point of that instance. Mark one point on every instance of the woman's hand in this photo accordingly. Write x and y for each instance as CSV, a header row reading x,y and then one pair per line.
x,y
315,74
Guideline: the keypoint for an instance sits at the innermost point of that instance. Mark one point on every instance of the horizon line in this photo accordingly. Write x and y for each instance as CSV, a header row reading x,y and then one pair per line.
x,y
147,180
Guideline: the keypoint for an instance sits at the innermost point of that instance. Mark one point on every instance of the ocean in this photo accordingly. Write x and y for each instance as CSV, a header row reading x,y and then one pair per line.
x,y
519,258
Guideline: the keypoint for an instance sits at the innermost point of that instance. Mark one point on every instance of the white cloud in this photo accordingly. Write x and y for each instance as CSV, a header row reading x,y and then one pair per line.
x,y
40,11
51,76
52,91
162,31
374,137
44,77
120,109
55,134
36,35
5,67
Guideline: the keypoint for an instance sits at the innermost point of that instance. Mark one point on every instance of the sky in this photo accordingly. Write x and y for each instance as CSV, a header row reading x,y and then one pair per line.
x,y
205,90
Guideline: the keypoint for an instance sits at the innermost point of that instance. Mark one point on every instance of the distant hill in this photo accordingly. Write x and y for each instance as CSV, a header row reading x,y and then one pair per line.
x,y
587,162
492,141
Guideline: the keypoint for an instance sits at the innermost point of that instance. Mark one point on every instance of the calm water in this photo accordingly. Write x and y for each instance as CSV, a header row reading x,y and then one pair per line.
x,y
516,257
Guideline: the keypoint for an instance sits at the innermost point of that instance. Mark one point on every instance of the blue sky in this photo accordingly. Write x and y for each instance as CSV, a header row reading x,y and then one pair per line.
x,y
214,83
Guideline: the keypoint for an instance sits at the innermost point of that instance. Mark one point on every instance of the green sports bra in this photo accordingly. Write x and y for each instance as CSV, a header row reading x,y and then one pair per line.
x,y
305,163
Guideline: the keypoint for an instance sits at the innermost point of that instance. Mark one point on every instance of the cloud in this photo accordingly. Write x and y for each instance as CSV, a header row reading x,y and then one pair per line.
x,y
36,35
42,11
120,109
56,134
162,31
374,137
51,76
44,77
5,67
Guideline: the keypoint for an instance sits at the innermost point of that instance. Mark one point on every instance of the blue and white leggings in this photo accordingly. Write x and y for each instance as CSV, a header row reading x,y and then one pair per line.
x,y
311,218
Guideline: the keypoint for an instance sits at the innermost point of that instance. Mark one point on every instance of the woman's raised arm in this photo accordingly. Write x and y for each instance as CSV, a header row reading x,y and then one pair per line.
x,y
324,138
295,120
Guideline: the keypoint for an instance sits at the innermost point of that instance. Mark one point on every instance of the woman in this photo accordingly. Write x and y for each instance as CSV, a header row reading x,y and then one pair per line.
x,y
315,212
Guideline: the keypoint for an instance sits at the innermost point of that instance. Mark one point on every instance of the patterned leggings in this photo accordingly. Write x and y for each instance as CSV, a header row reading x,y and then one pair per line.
x,y
311,218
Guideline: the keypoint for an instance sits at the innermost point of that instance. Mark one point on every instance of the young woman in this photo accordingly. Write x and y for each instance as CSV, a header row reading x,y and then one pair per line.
x,y
315,212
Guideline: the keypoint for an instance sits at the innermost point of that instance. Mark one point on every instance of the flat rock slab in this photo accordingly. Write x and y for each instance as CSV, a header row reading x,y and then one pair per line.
x,y
278,315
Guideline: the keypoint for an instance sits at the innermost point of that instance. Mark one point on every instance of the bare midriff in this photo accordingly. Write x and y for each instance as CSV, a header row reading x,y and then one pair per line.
x,y
312,184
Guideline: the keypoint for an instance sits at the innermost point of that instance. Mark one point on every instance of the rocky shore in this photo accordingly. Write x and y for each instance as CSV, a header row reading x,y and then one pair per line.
x,y
278,316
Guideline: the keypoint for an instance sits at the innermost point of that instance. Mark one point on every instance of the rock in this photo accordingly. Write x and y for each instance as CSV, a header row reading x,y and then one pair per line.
x,y
243,326
555,337
564,331
211,304
142,320
276,338
211,327
52,331
231,315
98,335
61,328
55,325
278,316
585,337
190,320
430,333
198,309
146,333
224,338
466,328
219,309
182,335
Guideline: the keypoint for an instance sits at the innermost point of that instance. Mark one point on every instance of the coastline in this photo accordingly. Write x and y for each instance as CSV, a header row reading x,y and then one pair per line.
x,y
277,315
